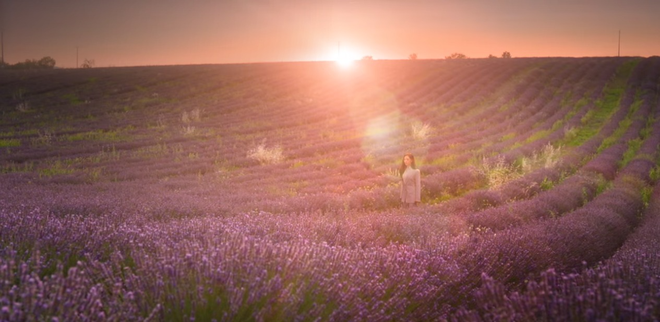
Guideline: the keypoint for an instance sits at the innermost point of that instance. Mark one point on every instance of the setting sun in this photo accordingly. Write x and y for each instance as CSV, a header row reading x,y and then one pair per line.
x,y
345,57
345,62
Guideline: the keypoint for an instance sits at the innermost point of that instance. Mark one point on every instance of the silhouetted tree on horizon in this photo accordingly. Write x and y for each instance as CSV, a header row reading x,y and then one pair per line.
x,y
87,63
43,63
46,62
456,56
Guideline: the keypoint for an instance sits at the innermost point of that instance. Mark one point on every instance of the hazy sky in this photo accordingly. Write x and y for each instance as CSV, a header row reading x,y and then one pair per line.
x,y
157,32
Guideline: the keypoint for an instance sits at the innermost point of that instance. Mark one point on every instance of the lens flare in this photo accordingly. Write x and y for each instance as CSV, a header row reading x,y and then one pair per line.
x,y
382,128
375,112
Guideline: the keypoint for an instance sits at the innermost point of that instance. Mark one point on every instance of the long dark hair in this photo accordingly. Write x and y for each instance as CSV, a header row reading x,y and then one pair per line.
x,y
402,168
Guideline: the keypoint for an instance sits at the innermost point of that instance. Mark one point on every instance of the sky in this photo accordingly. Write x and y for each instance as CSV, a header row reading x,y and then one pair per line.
x,y
169,32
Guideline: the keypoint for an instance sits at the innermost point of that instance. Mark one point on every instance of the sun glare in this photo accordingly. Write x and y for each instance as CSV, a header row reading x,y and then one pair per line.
x,y
345,62
346,58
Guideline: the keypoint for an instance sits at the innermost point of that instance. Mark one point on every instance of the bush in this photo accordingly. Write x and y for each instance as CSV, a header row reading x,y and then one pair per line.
x,y
88,63
43,63
456,56
266,155
420,131
548,157
497,171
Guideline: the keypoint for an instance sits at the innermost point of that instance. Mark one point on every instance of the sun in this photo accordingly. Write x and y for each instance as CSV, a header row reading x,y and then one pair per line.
x,y
345,57
345,62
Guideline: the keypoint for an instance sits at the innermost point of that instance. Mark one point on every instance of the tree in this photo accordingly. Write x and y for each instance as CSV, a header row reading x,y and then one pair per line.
x,y
491,56
46,62
456,56
367,58
27,64
412,56
506,54
87,63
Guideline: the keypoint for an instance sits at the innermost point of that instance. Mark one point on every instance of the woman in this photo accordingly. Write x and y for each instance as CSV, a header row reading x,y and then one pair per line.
x,y
410,181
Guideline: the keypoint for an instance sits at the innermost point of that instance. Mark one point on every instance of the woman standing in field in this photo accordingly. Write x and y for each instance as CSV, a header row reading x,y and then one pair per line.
x,y
410,181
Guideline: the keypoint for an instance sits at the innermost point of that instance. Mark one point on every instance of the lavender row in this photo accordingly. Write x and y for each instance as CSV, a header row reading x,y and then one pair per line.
x,y
622,288
488,116
447,182
244,253
573,122
225,273
469,135
581,188
571,161
528,148
229,153
476,117
590,234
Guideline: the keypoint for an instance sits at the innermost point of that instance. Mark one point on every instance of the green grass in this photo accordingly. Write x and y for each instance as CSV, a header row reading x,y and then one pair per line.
x,y
578,105
508,136
152,151
605,107
647,191
631,152
56,168
6,143
72,98
647,130
623,126
19,133
603,184
557,125
445,162
538,135
297,164
94,174
17,167
547,184
99,135
655,173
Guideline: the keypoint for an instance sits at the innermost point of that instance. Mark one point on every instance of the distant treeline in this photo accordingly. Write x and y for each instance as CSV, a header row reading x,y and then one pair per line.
x,y
43,63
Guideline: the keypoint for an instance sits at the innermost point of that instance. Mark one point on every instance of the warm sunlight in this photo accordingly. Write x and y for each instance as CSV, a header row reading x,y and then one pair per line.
x,y
345,58
345,62
330,159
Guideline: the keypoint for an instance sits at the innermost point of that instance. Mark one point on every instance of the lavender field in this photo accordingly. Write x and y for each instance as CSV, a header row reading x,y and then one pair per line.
x,y
269,192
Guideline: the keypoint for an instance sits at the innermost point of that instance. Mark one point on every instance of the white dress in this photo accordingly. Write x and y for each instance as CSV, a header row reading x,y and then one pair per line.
x,y
411,186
